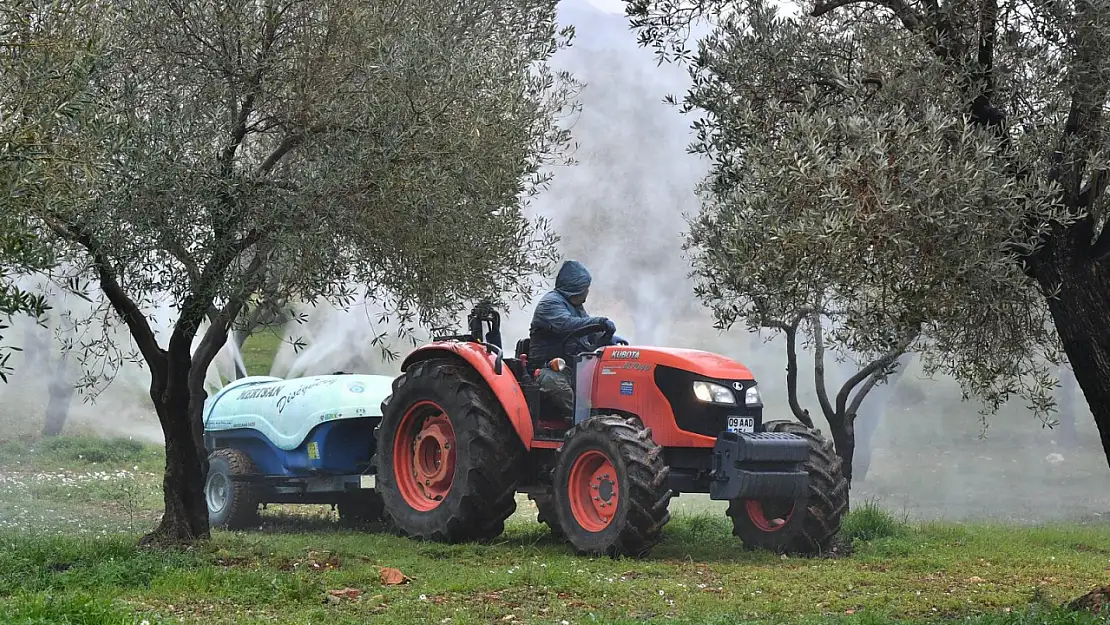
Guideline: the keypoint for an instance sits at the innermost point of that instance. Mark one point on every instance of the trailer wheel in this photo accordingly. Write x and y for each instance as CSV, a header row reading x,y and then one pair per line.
x,y
447,456
611,493
805,526
231,504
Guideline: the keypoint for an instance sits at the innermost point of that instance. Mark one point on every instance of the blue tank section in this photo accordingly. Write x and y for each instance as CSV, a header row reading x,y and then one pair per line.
x,y
332,448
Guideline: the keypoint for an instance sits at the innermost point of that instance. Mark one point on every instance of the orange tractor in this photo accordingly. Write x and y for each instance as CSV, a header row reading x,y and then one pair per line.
x,y
466,428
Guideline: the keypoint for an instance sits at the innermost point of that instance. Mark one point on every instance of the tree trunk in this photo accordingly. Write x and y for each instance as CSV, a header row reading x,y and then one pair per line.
x,y
1080,312
842,428
868,421
185,519
240,337
60,389
1068,437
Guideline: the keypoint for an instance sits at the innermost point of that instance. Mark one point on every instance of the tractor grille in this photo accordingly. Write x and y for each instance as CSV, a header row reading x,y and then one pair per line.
x,y
697,416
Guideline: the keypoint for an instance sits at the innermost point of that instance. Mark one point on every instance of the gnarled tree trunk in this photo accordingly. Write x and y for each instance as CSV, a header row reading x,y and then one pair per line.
x,y
843,432
1081,312
185,518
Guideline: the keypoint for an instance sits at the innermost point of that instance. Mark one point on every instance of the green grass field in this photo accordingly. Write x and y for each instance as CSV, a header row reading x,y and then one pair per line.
x,y
72,509
258,352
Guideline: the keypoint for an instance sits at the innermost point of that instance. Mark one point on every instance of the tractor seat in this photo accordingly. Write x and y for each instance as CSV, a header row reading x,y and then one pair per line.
x,y
516,367
522,347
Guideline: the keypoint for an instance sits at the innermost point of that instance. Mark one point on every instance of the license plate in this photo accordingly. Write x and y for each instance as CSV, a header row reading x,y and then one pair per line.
x,y
741,424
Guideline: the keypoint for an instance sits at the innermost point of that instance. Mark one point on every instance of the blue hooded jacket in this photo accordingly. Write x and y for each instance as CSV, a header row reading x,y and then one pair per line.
x,y
555,317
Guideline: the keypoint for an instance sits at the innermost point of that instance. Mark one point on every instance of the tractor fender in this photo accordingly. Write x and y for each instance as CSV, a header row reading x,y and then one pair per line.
x,y
504,386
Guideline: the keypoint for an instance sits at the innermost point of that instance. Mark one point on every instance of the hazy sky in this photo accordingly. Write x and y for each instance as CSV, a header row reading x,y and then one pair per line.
x,y
617,6
613,6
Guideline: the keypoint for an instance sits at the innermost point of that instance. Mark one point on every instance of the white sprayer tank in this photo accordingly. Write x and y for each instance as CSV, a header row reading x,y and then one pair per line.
x,y
285,411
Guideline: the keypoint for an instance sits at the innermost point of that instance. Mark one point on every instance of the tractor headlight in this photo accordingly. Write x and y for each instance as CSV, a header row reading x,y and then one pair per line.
x,y
713,393
751,397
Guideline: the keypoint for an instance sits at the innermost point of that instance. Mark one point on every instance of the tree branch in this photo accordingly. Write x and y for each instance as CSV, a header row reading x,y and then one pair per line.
x,y
873,369
196,306
910,18
983,109
290,143
238,133
178,251
124,306
1101,247
853,408
1094,188
246,108
286,146
216,336
819,366
791,331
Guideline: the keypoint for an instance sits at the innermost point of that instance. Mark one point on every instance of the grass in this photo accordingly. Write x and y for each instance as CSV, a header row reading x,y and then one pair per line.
x,y
72,509
282,571
258,352
868,522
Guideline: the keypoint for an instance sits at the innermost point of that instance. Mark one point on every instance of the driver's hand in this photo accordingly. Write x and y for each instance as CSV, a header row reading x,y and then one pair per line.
x,y
612,327
619,340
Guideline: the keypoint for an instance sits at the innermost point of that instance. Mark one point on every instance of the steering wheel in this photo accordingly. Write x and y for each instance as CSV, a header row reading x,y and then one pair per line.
x,y
606,336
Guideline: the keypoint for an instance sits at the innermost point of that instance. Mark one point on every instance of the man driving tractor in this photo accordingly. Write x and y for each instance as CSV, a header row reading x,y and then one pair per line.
x,y
559,313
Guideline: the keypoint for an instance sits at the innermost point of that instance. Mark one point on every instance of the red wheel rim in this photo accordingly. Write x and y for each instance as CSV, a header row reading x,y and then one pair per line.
x,y
424,456
759,517
594,491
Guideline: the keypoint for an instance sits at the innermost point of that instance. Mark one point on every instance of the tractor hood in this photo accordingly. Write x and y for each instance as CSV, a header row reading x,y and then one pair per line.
x,y
695,361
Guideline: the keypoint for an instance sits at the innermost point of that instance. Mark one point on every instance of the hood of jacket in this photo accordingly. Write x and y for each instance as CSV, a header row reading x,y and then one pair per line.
x,y
573,279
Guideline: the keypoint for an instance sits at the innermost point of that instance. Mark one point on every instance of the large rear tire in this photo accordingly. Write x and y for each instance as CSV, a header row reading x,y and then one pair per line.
x,y
611,493
447,456
231,503
807,526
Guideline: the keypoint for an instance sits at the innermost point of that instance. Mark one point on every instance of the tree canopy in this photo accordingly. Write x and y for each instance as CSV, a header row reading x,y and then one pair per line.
x,y
46,61
318,145
930,169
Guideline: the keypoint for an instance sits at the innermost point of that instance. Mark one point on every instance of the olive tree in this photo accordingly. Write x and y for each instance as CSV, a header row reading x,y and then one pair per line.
x,y
922,166
321,145
17,253
45,60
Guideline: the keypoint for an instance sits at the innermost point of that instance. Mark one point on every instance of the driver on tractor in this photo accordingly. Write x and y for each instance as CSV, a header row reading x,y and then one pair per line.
x,y
559,313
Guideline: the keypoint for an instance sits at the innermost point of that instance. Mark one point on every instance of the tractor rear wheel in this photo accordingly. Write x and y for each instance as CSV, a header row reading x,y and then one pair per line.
x,y
447,456
230,502
806,526
611,492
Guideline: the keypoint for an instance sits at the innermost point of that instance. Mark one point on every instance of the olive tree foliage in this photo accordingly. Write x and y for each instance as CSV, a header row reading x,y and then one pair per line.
x,y
925,175
312,146
18,252
45,60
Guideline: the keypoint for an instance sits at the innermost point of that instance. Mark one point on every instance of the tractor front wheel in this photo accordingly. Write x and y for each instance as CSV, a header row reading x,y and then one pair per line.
x,y
611,492
805,526
447,455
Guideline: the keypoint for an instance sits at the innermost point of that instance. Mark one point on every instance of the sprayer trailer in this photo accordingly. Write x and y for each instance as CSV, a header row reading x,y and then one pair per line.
x,y
466,428
306,440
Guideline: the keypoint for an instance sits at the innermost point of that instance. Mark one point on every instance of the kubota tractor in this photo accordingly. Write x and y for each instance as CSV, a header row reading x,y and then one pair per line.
x,y
466,428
